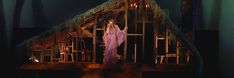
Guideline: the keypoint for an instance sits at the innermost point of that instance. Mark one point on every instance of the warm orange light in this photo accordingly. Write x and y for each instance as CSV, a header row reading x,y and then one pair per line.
x,y
135,5
111,22
131,5
146,6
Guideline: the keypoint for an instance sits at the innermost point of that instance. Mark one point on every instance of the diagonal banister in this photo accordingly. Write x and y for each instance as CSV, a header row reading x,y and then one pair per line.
x,y
187,44
158,13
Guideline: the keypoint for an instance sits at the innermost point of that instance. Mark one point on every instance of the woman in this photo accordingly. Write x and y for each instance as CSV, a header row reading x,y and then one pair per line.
x,y
112,38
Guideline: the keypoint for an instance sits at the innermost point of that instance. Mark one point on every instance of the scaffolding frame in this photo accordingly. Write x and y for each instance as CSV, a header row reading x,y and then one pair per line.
x,y
93,21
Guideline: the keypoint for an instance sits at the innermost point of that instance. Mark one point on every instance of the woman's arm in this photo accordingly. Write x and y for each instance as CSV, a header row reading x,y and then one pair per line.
x,y
121,34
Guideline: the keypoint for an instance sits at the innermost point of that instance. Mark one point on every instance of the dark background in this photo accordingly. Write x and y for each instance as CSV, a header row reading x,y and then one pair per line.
x,y
22,19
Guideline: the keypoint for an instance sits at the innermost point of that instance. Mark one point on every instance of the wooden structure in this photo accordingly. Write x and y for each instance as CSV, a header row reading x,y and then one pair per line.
x,y
152,37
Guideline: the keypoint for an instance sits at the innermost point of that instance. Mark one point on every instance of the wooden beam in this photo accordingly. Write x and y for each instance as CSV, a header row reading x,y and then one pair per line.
x,y
78,30
135,23
118,10
143,29
94,40
135,52
55,44
84,26
76,51
78,37
135,37
155,41
126,25
72,53
146,21
177,51
166,44
43,51
134,34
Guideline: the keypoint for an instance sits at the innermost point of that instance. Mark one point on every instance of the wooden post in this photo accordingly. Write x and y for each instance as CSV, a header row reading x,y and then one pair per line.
x,y
187,54
77,42
166,45
43,50
135,50
51,54
43,54
155,40
94,40
126,25
177,51
135,38
143,29
72,53
55,46
76,53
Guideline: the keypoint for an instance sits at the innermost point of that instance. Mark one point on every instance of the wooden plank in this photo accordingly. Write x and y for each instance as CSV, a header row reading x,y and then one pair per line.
x,y
94,40
72,56
135,23
51,54
77,41
156,44
177,52
147,21
143,29
160,38
42,56
166,44
126,25
54,49
135,34
155,41
188,57
156,35
135,52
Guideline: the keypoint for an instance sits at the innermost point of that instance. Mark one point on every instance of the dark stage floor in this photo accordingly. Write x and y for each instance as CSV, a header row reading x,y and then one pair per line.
x,y
92,70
